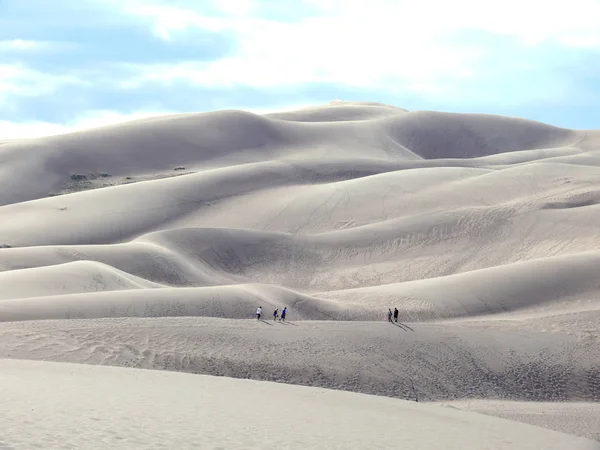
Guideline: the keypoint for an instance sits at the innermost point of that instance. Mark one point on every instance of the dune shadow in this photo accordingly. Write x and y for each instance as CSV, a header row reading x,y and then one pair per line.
x,y
403,326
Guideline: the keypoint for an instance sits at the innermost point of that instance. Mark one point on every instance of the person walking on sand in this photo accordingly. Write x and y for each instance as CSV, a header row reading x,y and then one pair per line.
x,y
275,315
389,315
258,312
283,312
395,314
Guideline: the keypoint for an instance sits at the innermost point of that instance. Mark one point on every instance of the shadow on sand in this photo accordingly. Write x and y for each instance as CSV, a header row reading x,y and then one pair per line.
x,y
403,326
265,322
287,323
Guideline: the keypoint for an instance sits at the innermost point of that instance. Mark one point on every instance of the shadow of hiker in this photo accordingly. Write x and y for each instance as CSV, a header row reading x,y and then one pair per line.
x,y
265,322
403,326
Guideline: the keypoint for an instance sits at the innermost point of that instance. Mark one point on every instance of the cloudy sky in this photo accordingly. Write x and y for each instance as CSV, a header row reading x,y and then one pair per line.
x,y
67,64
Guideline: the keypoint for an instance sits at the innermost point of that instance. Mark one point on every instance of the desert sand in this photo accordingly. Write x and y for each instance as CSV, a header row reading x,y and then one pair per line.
x,y
123,408
150,244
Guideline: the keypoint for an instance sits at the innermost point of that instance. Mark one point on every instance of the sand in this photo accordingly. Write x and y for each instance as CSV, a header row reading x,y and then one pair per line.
x,y
151,243
568,417
519,361
104,407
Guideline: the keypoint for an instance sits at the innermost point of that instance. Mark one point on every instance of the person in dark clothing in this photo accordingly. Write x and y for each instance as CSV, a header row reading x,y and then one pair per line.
x,y
275,315
395,314
283,313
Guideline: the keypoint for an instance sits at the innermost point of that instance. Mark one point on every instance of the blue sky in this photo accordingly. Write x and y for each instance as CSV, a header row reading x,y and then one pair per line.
x,y
68,64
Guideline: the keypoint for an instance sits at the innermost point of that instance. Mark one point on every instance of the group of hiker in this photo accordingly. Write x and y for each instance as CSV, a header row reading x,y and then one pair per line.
x,y
390,314
275,313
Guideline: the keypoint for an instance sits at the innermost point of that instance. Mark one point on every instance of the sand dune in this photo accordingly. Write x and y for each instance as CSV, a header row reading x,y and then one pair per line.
x,y
559,284
223,138
339,112
570,417
143,260
121,408
540,359
161,232
80,276
570,280
294,200
107,300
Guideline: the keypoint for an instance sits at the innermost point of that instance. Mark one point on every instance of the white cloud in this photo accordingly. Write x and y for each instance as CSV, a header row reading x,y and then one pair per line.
x,y
396,45
19,45
316,50
532,21
13,130
91,119
235,7
18,80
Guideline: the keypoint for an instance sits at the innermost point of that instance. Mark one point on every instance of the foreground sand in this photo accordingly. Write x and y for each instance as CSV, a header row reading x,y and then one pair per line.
x,y
582,419
48,405
537,367
166,233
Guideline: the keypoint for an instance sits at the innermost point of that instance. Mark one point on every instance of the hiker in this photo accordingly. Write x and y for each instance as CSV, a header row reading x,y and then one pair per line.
x,y
275,315
389,315
283,312
258,312
395,314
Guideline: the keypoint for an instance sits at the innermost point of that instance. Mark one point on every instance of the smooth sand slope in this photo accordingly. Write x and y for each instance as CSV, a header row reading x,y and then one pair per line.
x,y
124,408
574,418
165,232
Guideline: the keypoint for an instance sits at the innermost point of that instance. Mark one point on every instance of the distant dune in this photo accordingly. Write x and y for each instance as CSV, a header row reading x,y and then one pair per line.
x,y
168,233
